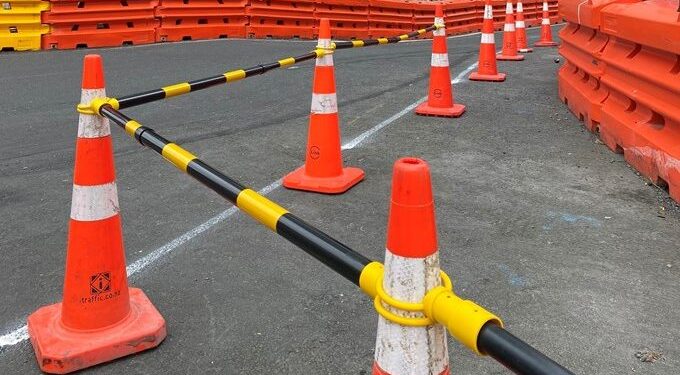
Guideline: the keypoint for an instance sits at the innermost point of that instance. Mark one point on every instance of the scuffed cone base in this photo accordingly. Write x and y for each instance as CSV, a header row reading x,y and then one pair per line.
x,y
60,350
299,180
500,77
510,58
546,44
426,110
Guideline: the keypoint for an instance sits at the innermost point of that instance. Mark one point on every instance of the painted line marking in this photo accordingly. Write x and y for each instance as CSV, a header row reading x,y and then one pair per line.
x,y
20,334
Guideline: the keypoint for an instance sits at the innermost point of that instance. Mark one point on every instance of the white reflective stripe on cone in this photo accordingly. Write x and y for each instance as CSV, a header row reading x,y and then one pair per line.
x,y
488,39
545,21
439,21
520,25
520,9
488,12
326,60
508,8
92,203
92,126
545,6
509,27
440,59
410,350
324,103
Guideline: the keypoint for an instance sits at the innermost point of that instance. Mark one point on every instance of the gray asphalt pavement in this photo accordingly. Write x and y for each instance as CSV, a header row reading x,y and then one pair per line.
x,y
537,221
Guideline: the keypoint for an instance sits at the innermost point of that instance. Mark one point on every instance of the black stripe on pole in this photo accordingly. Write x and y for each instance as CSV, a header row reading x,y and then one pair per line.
x,y
148,137
141,98
200,84
343,45
515,354
393,39
305,57
215,180
370,42
113,115
321,246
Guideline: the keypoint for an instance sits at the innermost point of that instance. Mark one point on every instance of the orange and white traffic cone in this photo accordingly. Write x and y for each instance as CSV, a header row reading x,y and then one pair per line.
x,y
520,29
509,52
323,171
411,270
546,31
440,101
487,69
100,318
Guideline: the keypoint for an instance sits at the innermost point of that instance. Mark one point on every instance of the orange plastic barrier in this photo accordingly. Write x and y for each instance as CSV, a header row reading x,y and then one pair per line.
x,y
623,76
461,16
97,23
201,19
390,17
348,18
281,19
579,78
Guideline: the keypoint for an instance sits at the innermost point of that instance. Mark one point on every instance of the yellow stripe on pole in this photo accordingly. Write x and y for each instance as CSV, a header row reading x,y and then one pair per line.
x,y
235,75
403,37
132,126
357,43
178,156
178,89
383,40
286,62
260,208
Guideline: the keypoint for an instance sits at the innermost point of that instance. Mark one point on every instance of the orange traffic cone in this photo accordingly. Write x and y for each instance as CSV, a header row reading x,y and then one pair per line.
x,y
323,171
100,318
411,270
440,100
520,29
546,32
509,52
487,68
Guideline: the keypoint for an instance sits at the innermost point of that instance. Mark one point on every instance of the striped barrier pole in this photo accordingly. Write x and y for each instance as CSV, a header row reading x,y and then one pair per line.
x,y
468,322
178,89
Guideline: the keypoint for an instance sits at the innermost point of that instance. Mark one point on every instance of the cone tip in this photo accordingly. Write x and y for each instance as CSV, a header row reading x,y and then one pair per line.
x,y
411,182
324,28
438,10
411,229
93,72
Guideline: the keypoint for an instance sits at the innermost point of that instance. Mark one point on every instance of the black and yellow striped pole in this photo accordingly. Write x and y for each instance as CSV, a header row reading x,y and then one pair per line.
x,y
469,323
239,74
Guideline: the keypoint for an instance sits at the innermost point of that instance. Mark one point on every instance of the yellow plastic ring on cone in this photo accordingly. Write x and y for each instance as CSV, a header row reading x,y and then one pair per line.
x,y
382,296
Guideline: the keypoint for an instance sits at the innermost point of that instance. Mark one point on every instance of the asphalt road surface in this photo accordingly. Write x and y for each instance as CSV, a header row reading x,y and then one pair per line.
x,y
537,221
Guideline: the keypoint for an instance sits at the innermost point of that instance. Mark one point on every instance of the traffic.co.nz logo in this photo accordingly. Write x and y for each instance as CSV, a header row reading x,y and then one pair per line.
x,y
100,283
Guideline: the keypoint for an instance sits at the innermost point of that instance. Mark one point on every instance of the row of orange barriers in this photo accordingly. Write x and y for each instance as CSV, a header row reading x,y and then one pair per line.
x,y
106,23
622,78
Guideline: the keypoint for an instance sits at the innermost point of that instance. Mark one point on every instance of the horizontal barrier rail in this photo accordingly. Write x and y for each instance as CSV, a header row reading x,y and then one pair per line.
x,y
235,75
468,322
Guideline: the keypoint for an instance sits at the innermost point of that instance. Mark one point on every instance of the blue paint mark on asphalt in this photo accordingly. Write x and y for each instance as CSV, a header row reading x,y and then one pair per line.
x,y
568,218
515,279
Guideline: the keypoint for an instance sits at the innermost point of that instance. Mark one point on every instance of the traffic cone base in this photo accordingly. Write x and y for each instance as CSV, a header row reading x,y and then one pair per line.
x,y
300,180
500,77
456,110
61,350
510,58
545,44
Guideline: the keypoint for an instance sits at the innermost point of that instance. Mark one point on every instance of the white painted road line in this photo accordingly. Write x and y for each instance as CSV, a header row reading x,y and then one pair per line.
x,y
20,334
